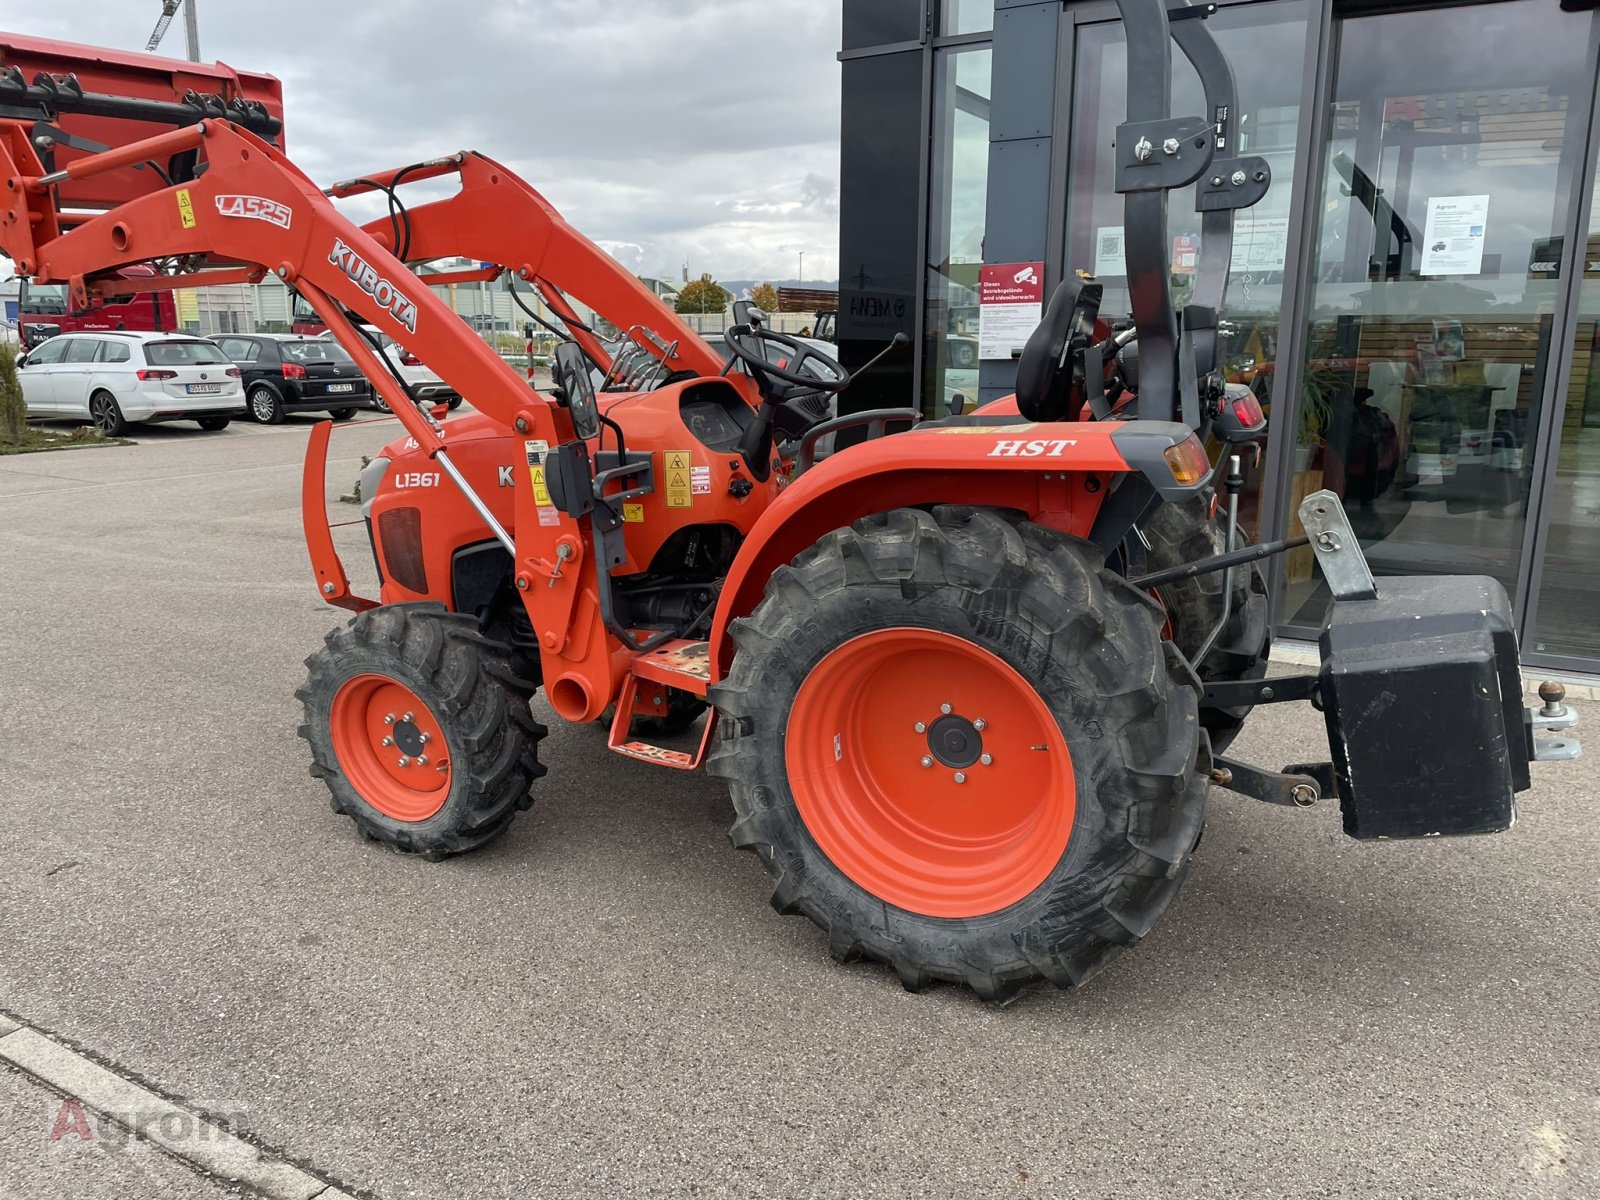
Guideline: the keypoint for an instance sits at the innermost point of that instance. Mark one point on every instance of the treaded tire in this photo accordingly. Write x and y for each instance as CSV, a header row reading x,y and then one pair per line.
x,y
481,707
1183,533
213,424
1091,647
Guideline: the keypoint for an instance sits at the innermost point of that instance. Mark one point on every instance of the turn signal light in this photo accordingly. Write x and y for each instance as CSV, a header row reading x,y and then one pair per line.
x,y
149,374
233,373
293,371
1248,410
1187,461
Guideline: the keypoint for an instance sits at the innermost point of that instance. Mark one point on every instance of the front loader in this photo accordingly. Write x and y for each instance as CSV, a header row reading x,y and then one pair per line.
x,y
970,681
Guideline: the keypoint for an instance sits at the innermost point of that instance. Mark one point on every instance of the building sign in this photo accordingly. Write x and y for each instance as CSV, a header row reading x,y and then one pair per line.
x,y
1452,241
1010,303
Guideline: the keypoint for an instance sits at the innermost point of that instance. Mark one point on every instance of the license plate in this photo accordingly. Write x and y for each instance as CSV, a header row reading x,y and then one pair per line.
x,y
341,387
202,389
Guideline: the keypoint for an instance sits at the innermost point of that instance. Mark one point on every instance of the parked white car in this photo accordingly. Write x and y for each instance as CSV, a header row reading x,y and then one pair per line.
x,y
424,384
117,379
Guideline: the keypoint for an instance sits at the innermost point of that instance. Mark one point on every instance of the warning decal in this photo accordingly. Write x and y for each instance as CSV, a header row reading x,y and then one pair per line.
x,y
678,467
700,481
632,513
185,208
541,494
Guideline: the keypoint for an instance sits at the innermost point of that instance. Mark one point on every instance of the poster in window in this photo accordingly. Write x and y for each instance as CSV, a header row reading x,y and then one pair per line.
x,y
1452,240
1108,258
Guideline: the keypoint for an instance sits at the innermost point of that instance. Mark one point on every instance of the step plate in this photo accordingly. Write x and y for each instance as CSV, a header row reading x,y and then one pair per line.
x,y
621,723
681,664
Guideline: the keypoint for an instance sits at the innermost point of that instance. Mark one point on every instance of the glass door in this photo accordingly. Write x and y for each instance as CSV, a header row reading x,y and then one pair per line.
x,y
1566,596
1457,138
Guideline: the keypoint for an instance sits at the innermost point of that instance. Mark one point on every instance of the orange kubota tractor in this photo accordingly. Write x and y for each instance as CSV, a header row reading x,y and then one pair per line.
x,y
969,680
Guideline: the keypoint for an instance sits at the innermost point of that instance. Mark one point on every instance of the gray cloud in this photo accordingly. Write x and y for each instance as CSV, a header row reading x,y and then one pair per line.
x,y
671,131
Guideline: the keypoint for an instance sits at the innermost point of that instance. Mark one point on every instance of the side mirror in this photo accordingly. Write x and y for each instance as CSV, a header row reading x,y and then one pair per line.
x,y
22,361
572,377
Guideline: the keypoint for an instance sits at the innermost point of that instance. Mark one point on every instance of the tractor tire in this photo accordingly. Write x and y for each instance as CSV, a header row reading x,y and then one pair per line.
x,y
962,747
1182,533
427,681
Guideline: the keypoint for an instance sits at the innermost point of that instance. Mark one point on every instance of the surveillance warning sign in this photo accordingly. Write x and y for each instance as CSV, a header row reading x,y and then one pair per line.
x,y
1010,302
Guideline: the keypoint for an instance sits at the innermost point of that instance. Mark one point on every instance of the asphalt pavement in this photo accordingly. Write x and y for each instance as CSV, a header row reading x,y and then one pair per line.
x,y
601,1003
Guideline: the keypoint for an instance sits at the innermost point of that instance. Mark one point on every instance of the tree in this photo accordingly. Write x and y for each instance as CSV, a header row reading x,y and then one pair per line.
x,y
13,410
765,297
703,295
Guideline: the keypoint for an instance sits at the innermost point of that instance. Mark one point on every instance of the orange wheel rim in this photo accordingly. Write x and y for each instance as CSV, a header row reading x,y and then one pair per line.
x,y
390,747
930,772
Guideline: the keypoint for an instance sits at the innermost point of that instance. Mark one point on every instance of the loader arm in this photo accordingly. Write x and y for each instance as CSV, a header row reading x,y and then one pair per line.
x,y
250,206
497,217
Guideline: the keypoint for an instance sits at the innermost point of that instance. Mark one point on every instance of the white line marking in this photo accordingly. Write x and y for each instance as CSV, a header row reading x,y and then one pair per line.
x,y
151,1116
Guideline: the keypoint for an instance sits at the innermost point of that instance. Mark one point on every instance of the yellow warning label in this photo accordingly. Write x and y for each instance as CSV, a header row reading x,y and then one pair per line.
x,y
679,493
185,209
632,513
536,450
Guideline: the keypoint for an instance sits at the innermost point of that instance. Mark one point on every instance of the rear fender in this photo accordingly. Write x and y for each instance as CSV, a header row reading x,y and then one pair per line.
x,y
1057,475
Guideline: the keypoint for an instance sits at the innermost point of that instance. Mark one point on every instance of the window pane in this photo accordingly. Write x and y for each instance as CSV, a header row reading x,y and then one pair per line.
x,y
82,350
182,354
881,22
1269,110
958,199
1444,188
966,16
115,352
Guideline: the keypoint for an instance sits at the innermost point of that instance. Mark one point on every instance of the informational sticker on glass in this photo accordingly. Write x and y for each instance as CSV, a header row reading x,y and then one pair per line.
x,y
1010,303
1452,242
1108,258
1185,253
1260,244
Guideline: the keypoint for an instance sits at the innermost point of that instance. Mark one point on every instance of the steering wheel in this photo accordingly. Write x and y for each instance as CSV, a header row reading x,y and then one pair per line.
x,y
745,342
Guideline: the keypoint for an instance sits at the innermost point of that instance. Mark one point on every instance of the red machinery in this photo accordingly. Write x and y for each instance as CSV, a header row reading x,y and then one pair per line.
x,y
969,681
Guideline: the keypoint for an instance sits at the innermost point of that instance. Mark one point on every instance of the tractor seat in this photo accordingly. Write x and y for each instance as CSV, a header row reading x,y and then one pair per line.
x,y
1044,372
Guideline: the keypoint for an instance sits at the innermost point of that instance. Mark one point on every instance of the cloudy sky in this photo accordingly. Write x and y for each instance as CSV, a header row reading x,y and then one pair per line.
x,y
670,131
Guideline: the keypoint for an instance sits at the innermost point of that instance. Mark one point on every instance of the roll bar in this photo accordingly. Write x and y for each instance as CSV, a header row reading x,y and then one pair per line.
x,y
1155,153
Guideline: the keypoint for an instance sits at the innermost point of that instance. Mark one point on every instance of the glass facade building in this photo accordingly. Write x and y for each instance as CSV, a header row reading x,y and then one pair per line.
x,y
1416,301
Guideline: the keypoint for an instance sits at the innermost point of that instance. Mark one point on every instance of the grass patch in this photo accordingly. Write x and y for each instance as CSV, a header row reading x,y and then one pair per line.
x,y
35,440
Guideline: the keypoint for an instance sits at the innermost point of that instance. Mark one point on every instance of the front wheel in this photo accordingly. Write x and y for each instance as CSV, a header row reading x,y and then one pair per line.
x,y
420,729
962,747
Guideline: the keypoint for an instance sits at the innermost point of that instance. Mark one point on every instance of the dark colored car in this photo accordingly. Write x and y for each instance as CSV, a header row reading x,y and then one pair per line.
x,y
285,373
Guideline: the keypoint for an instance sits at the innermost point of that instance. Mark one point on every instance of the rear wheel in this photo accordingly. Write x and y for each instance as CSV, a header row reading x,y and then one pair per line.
x,y
420,729
1181,533
106,414
341,414
265,405
213,424
962,747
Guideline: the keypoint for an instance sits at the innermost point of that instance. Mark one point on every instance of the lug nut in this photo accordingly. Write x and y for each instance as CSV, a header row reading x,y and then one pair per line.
x,y
986,759
926,761
407,717
389,720
980,724
388,741
404,761
960,778
426,738
422,760
920,727
945,709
